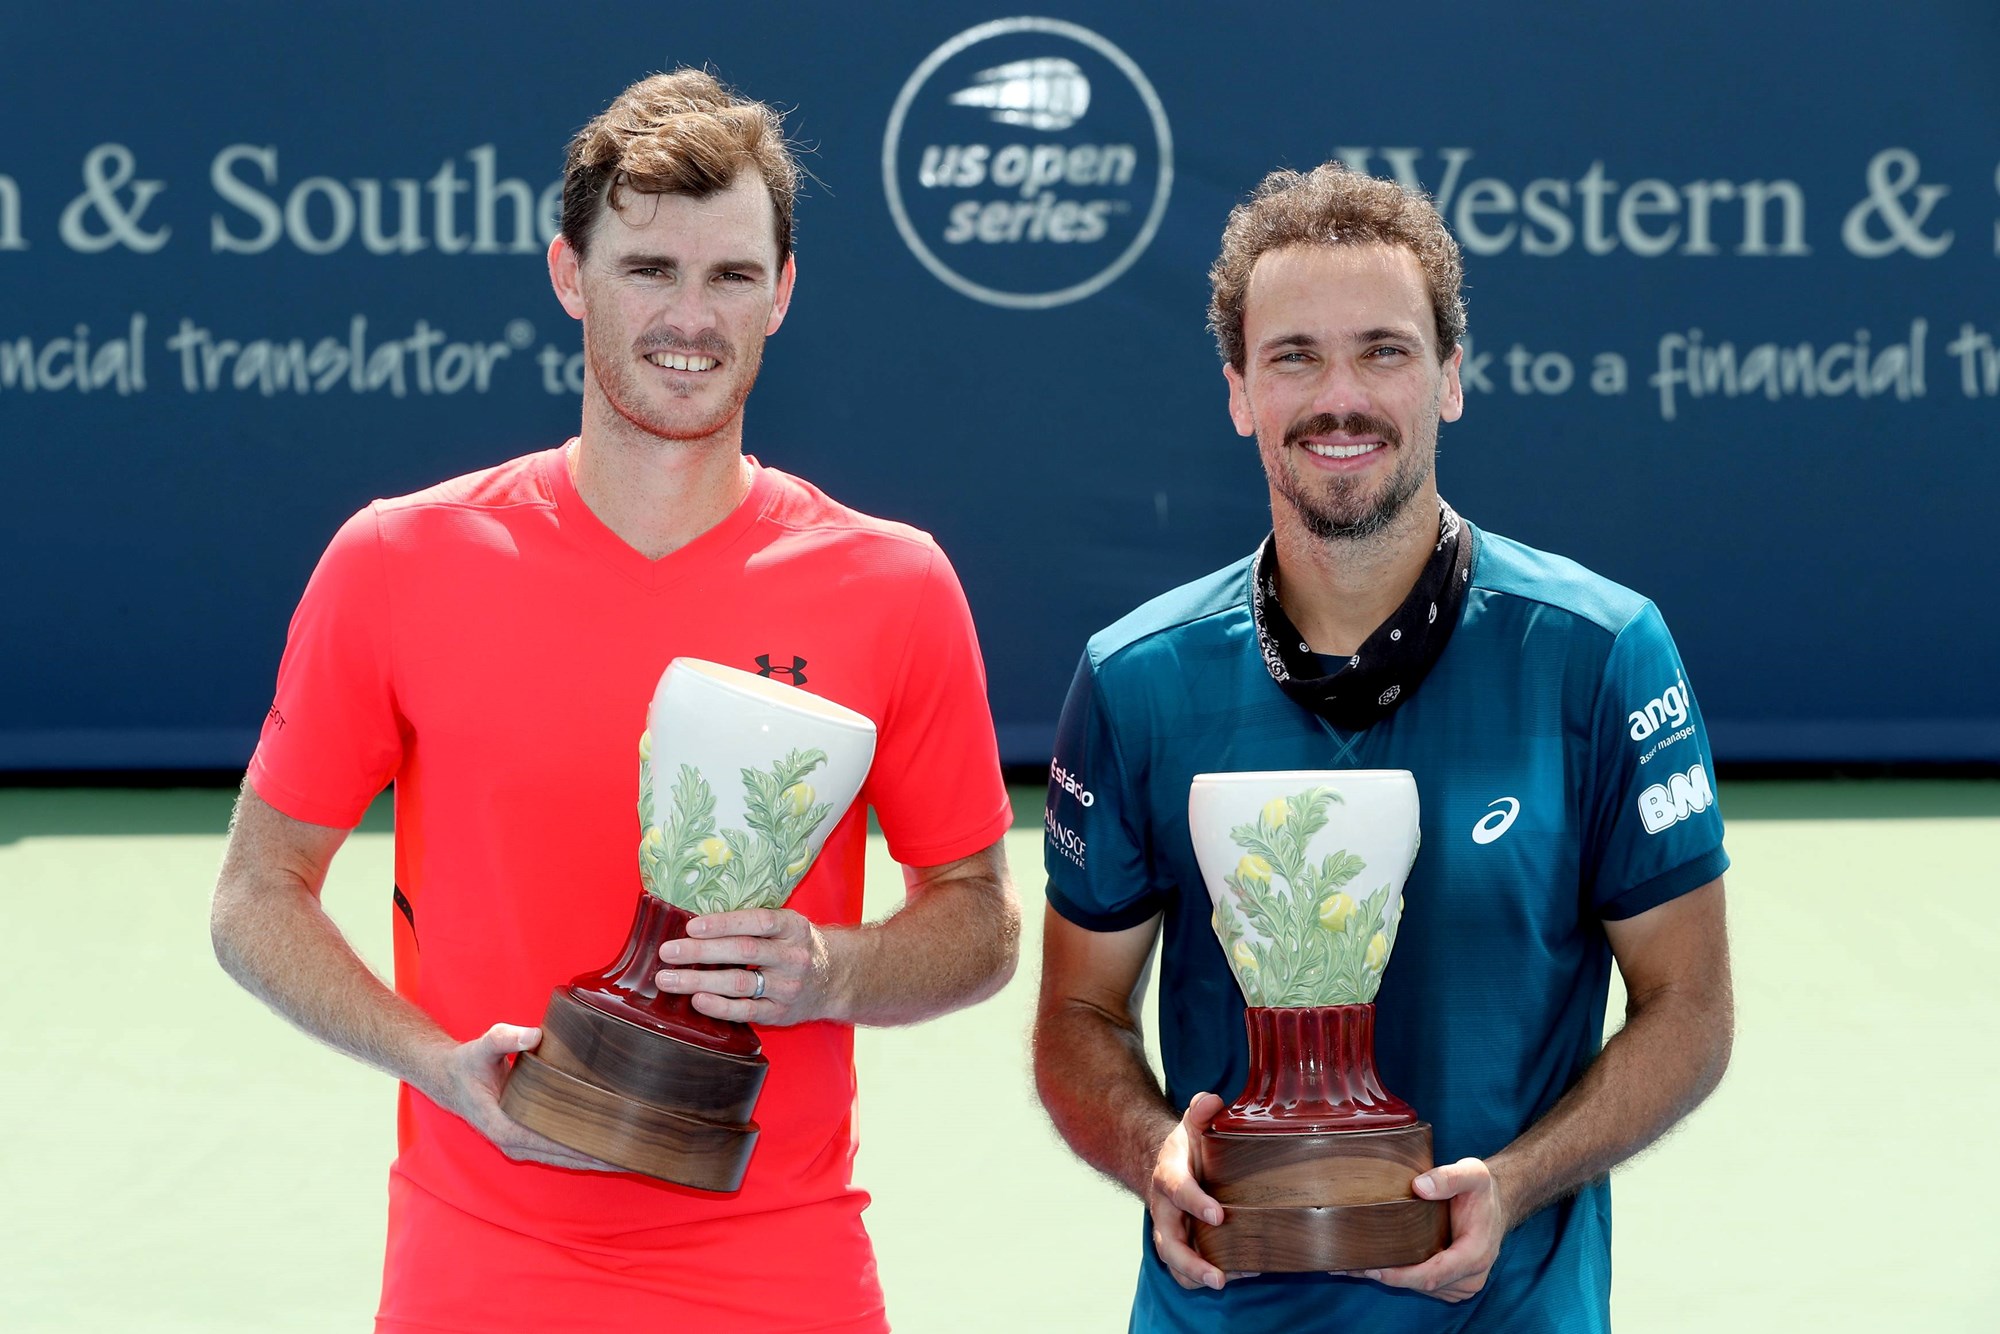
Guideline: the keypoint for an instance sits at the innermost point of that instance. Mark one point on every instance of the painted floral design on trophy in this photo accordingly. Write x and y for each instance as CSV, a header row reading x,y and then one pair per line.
x,y
639,1077
1312,1163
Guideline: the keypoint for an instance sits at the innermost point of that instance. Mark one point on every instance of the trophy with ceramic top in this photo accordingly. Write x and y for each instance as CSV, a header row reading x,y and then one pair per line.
x,y
741,780
1313,1162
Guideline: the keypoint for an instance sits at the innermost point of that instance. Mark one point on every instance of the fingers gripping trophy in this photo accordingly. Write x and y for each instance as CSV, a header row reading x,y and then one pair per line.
x,y
1313,1162
741,780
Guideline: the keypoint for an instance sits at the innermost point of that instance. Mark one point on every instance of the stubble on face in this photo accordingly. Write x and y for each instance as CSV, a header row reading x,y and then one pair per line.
x,y
621,381
1341,508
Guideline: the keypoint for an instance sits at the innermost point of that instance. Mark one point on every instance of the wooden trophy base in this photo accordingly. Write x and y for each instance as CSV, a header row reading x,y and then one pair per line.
x,y
637,1098
1297,1203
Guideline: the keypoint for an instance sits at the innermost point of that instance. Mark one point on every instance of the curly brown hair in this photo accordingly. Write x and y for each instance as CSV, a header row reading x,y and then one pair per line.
x,y
683,133
1333,205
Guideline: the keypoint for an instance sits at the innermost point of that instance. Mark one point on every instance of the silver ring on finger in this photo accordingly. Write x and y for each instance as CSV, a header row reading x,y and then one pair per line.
x,y
757,993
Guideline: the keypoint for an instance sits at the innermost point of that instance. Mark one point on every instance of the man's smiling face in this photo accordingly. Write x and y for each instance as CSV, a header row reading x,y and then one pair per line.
x,y
1342,385
676,297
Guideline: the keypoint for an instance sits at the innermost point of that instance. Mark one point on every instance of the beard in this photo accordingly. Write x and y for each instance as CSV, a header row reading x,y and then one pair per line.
x,y
1340,508
671,412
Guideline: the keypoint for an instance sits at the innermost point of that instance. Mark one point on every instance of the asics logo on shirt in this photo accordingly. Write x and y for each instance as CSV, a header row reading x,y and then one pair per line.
x,y
1495,823
767,669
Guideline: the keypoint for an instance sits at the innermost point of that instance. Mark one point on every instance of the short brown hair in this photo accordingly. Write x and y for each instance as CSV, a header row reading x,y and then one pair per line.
x,y
683,133
1332,205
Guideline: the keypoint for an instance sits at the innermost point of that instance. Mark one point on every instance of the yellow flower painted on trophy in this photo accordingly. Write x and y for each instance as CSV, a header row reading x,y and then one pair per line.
x,y
1276,812
1335,910
1378,953
646,744
797,868
1253,867
1245,960
655,842
715,851
798,798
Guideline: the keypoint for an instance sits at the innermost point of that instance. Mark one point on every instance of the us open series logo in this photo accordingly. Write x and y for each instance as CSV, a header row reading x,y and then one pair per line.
x,y
1028,162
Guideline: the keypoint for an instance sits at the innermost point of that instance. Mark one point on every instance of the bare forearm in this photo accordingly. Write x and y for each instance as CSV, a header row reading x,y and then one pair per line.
x,y
1092,1075
949,947
275,939
1669,1056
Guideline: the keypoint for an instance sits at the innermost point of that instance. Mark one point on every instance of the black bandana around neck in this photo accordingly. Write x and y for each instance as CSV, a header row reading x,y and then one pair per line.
x,y
1395,659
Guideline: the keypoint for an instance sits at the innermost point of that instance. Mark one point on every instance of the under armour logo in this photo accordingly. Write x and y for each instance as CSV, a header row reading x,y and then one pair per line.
x,y
797,671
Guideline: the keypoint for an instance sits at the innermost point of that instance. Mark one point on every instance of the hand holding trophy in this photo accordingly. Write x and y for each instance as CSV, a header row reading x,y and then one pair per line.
x,y
1313,1162
740,782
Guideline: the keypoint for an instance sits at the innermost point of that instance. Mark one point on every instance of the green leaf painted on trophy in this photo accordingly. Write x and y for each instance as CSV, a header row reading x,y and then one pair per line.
x,y
1291,935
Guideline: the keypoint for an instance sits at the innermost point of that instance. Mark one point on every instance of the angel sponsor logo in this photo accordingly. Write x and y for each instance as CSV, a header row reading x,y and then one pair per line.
x,y
1664,805
1027,162
1669,710
1063,839
1068,782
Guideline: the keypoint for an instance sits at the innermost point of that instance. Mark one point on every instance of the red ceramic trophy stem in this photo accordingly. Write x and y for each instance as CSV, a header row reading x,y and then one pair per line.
x,y
626,989
1312,1071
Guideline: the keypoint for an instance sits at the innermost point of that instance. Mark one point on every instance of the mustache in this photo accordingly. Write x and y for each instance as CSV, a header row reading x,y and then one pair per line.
x,y
707,343
1354,423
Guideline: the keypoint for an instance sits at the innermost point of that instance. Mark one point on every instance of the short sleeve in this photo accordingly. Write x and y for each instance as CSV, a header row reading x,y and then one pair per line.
x,y
333,738
936,785
1656,830
1093,846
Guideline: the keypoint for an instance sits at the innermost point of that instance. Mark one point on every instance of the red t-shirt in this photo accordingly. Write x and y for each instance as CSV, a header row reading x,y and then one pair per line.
x,y
491,647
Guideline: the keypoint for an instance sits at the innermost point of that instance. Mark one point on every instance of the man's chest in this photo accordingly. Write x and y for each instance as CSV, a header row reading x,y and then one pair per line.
x,y
551,667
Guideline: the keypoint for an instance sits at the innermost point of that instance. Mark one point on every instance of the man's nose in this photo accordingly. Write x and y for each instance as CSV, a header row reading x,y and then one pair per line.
x,y
1342,391
691,310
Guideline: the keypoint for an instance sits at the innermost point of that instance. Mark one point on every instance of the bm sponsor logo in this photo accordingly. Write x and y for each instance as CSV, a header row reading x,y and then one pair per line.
x,y
1664,805
1027,162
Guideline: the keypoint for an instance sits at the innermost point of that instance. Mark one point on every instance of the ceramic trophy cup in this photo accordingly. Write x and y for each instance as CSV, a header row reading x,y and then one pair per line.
x,y
1312,1163
740,782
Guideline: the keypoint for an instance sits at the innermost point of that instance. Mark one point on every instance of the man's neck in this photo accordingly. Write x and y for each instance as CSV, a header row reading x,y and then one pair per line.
x,y
1338,592
658,495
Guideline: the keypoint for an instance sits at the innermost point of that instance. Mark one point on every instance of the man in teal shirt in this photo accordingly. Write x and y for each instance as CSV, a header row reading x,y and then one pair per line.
x,y
1568,812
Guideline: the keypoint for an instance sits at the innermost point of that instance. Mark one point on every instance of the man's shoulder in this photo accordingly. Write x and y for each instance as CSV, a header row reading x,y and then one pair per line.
x,y
517,482
883,546
1212,606
1510,569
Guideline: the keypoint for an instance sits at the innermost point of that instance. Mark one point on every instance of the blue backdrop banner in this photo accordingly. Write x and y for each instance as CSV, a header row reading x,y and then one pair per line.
x,y
1732,271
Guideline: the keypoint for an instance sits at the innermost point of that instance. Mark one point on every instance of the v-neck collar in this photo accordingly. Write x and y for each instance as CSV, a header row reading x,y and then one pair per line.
x,y
582,526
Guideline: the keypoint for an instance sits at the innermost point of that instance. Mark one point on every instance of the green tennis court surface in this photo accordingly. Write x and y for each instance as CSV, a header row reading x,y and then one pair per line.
x,y
172,1157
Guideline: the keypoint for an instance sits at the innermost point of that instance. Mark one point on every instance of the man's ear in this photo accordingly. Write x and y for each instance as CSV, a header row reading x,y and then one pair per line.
x,y
781,298
1239,401
1451,399
564,277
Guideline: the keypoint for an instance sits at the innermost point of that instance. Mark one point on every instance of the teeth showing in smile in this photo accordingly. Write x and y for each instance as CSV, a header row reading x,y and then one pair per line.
x,y
1342,451
676,362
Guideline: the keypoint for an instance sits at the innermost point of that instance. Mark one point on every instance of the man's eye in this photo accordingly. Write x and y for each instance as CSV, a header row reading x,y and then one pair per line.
x,y
731,276
1387,353
647,272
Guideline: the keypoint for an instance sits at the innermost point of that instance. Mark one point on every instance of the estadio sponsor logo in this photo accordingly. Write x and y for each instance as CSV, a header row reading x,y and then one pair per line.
x,y
1063,839
1669,710
1027,162
1664,805
1067,781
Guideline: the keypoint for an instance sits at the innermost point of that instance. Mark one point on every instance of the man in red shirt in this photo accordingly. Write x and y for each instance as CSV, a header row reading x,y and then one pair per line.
x,y
490,646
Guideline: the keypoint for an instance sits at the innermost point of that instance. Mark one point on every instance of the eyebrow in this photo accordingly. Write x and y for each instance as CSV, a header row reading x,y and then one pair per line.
x,y
642,260
1380,334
